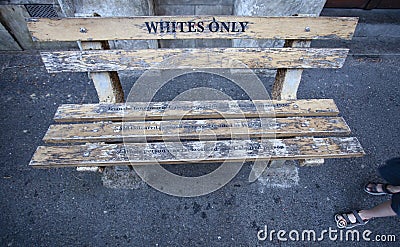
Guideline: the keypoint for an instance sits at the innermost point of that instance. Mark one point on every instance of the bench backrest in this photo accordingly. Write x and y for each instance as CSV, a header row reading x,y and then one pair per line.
x,y
295,55
184,27
187,27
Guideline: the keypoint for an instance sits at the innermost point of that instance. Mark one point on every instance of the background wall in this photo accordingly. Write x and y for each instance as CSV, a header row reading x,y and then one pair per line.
x,y
14,34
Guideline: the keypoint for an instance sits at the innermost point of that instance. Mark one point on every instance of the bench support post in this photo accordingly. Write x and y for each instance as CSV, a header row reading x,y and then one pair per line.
x,y
107,84
287,83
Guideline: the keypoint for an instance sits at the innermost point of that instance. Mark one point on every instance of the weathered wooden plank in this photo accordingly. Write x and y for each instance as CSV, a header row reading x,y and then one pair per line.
x,y
133,111
98,154
234,27
118,60
209,129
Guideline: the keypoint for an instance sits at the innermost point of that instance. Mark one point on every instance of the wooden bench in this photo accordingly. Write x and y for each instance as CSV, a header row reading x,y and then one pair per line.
x,y
112,133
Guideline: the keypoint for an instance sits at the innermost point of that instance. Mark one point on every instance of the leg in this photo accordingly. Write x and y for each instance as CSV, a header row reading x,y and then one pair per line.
x,y
386,209
391,171
359,218
382,210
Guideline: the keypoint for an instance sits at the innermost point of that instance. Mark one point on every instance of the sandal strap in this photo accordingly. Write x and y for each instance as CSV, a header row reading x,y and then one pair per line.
x,y
385,189
373,188
358,217
347,219
348,224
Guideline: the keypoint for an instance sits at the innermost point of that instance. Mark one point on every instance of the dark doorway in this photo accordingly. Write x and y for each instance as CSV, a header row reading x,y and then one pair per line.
x,y
363,4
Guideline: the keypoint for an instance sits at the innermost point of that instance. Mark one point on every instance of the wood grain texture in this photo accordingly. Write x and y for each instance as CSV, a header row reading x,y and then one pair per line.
x,y
99,154
125,28
209,129
119,60
133,111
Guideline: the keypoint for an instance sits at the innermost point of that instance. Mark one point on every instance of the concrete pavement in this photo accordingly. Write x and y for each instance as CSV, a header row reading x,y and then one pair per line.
x,y
65,207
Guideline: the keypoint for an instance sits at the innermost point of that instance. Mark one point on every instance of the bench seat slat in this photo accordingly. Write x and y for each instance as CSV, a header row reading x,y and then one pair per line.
x,y
99,154
119,60
132,111
209,129
121,28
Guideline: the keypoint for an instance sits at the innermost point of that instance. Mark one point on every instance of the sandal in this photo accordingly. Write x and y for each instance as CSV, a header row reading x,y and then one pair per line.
x,y
345,222
373,190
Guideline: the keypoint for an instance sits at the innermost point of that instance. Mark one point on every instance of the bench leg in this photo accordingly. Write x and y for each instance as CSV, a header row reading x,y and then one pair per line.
x,y
89,169
279,174
311,162
107,84
286,84
121,177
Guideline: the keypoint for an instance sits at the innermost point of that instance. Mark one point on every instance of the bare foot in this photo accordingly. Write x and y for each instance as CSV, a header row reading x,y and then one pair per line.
x,y
393,189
